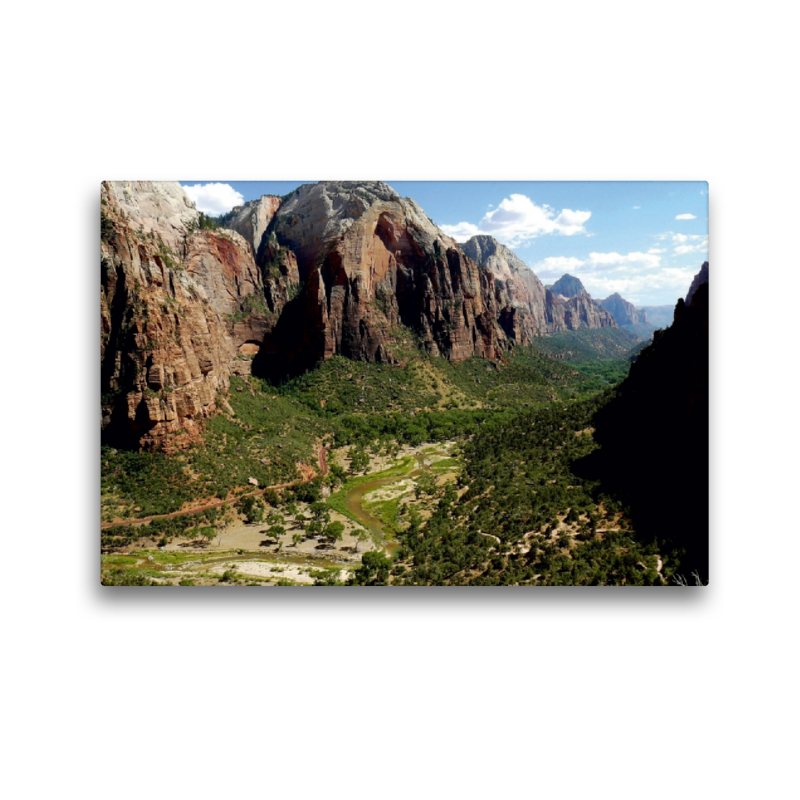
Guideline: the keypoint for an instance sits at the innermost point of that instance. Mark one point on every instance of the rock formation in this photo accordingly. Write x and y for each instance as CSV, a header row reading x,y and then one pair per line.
x,y
526,308
369,261
579,308
170,296
624,313
348,268
567,286
253,219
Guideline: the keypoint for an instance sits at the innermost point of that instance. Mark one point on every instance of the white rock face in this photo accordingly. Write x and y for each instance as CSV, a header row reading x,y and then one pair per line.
x,y
488,252
318,214
157,206
254,218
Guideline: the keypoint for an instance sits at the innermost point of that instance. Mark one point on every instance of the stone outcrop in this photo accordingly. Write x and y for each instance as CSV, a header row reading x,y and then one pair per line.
x,y
624,313
170,294
253,218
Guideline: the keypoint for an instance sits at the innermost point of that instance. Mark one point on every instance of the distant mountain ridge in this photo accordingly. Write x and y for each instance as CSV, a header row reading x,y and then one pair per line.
x,y
527,309
624,313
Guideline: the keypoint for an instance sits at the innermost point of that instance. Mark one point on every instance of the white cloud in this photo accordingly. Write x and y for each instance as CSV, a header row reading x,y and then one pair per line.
x,y
518,219
635,207
684,243
657,250
683,249
553,267
686,216
641,278
214,198
605,262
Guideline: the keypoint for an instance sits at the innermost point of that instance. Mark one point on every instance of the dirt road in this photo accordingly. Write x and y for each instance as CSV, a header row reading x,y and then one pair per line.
x,y
323,465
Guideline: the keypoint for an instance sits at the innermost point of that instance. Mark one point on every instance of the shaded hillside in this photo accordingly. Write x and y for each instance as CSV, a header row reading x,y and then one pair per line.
x,y
664,404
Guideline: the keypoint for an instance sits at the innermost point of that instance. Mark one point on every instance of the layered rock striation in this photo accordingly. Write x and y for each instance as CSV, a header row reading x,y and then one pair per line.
x,y
170,297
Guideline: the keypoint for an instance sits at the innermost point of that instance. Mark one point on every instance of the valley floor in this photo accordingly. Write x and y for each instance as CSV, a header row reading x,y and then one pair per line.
x,y
367,505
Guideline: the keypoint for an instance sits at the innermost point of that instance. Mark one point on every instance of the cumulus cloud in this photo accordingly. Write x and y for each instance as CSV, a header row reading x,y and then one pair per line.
x,y
605,262
683,249
214,198
518,219
686,216
684,243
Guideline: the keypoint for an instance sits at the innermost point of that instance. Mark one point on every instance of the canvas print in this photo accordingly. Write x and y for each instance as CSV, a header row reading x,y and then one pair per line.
x,y
361,383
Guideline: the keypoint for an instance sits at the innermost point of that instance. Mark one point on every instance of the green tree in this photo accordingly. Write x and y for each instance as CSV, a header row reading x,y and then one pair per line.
x,y
363,536
359,461
334,531
251,509
275,533
297,538
314,528
374,570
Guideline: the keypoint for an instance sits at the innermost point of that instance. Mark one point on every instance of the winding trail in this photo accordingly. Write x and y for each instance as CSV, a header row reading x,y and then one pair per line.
x,y
323,465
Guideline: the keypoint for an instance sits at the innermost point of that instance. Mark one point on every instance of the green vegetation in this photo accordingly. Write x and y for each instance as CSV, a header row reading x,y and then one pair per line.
x,y
265,438
520,516
200,527
513,514
588,345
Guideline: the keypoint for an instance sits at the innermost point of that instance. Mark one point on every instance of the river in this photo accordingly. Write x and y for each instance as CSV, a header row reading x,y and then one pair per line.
x,y
355,497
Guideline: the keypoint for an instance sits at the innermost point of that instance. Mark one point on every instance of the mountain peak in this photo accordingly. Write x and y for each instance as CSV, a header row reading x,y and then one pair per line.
x,y
487,251
624,313
568,286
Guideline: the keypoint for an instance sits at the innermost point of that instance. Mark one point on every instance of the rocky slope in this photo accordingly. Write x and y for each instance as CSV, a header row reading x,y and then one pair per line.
x,y
170,297
526,308
624,313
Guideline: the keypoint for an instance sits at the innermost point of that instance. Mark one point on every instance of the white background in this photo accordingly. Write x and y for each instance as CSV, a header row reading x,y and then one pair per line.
x,y
437,693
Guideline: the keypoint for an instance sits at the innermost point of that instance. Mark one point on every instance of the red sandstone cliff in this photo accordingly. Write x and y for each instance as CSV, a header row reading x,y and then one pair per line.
x,y
170,297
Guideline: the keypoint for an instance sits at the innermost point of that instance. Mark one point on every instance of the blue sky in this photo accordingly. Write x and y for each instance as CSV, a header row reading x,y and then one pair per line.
x,y
644,239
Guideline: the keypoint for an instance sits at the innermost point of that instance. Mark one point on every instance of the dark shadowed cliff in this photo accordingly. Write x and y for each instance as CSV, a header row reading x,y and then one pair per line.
x,y
664,404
